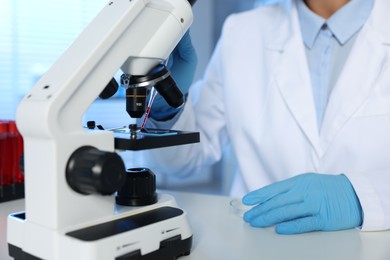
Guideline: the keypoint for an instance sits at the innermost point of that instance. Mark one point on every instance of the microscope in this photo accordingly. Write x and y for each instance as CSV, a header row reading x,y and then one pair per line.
x,y
81,202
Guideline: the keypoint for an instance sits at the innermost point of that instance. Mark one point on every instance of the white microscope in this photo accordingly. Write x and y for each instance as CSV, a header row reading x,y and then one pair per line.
x,y
71,173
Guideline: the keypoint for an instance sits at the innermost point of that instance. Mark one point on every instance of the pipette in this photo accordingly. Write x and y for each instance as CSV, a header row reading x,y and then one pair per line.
x,y
153,94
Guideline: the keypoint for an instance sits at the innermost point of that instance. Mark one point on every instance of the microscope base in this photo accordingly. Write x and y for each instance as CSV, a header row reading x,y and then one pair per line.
x,y
158,231
178,248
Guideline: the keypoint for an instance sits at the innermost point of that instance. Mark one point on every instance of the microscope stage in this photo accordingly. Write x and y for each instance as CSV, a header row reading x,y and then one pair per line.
x,y
152,138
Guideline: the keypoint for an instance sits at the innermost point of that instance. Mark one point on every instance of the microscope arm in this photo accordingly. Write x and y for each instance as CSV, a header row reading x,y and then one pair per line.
x,y
134,35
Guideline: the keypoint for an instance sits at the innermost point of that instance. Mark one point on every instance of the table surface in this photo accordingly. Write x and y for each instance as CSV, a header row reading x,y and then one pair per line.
x,y
221,234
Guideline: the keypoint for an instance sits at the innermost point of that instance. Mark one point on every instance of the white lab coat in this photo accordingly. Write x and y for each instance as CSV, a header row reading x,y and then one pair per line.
x,y
257,94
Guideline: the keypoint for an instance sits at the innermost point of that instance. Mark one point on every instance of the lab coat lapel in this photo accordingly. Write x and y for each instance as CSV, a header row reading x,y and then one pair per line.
x,y
293,78
363,69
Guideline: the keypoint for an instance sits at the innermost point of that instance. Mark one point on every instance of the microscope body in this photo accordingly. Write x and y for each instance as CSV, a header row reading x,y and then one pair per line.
x,y
134,35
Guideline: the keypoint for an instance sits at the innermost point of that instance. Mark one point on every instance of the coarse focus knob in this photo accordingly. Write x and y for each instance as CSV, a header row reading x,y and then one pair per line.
x,y
139,188
91,171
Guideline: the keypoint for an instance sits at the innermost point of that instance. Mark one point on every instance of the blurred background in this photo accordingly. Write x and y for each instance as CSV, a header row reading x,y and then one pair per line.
x,y
33,34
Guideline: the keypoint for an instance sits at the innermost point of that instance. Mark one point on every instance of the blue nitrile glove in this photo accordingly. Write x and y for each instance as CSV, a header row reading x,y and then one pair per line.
x,y
305,203
182,64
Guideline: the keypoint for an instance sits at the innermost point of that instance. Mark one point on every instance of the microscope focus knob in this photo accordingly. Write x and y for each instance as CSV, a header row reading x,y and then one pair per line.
x,y
91,171
139,188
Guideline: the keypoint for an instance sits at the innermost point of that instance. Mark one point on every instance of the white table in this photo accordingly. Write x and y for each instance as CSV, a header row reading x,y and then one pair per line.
x,y
220,234
5,209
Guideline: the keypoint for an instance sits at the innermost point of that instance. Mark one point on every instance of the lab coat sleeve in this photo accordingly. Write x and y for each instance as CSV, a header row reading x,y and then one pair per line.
x,y
373,194
204,113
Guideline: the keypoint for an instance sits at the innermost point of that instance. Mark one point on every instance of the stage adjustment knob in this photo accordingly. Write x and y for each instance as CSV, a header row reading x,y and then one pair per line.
x,y
139,188
91,171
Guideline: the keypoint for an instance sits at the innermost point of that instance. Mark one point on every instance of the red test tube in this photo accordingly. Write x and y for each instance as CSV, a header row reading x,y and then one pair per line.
x,y
5,156
16,151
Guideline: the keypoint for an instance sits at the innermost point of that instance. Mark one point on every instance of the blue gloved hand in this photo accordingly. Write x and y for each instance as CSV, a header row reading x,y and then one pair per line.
x,y
182,64
305,203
